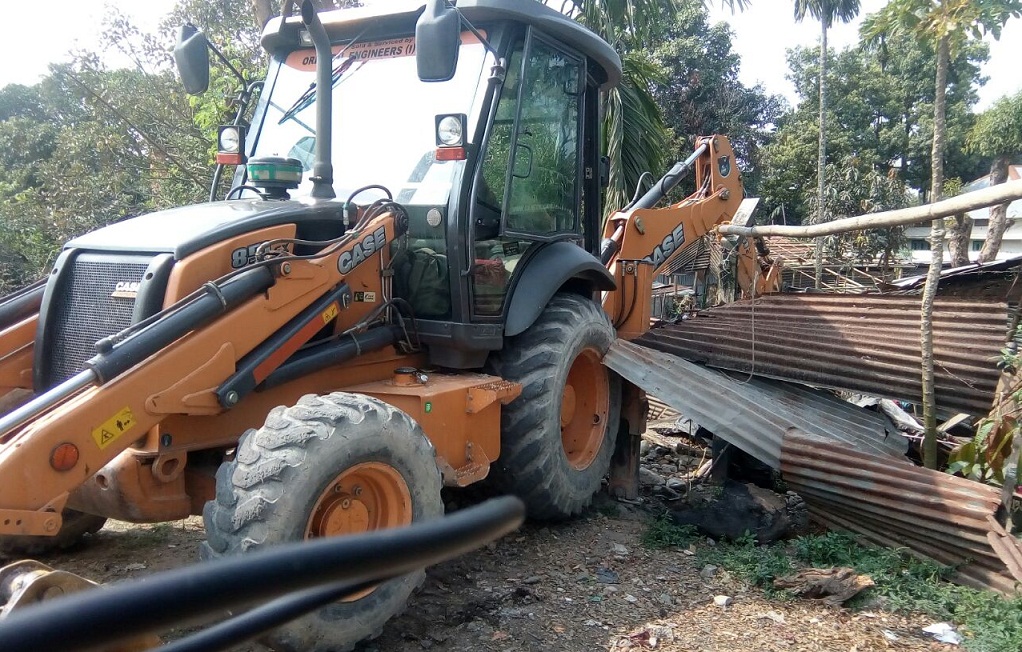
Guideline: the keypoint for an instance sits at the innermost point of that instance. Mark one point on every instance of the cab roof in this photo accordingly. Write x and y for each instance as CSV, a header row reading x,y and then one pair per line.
x,y
280,36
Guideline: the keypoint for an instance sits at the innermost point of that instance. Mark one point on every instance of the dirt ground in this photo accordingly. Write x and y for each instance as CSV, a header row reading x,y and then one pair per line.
x,y
587,584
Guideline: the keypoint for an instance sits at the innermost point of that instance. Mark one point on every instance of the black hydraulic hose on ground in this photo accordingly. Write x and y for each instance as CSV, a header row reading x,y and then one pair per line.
x,y
217,300
252,624
122,611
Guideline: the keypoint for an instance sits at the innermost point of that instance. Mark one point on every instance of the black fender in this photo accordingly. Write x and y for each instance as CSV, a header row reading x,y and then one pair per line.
x,y
553,266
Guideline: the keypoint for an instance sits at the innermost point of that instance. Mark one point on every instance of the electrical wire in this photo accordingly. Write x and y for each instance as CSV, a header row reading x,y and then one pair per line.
x,y
244,186
638,189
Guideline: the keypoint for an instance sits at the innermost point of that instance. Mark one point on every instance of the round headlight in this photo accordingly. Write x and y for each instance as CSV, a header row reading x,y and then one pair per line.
x,y
448,132
229,140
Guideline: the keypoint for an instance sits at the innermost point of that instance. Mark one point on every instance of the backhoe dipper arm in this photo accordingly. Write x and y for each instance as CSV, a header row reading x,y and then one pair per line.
x,y
176,365
758,273
641,242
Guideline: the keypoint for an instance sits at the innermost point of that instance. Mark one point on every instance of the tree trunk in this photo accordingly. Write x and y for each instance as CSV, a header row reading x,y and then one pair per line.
x,y
958,241
821,161
936,260
998,214
1006,192
263,12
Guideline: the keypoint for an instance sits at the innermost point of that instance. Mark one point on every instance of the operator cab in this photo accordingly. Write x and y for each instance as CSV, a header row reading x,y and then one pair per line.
x,y
497,164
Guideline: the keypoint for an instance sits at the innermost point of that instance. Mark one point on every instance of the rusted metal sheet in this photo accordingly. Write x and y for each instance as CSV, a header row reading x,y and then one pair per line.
x,y
972,269
935,515
861,343
752,414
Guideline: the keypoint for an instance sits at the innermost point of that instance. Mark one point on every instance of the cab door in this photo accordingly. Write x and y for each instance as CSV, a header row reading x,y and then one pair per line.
x,y
530,187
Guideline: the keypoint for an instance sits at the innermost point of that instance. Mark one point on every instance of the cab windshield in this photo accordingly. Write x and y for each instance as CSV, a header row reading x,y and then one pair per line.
x,y
384,118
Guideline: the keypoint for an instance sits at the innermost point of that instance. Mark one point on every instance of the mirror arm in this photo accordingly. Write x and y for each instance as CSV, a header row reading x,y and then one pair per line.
x,y
476,33
223,60
244,98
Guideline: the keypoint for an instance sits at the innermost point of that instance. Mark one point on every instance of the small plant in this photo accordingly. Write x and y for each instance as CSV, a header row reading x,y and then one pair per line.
x,y
758,565
983,458
991,455
664,533
989,622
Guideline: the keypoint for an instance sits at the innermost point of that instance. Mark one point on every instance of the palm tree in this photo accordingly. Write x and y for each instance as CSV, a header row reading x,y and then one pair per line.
x,y
947,25
825,11
635,135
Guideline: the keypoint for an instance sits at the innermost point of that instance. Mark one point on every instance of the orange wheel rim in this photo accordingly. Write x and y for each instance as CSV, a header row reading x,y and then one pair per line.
x,y
585,404
368,496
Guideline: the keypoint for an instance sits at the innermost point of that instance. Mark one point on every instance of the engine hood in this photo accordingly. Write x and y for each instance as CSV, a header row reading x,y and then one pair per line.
x,y
187,229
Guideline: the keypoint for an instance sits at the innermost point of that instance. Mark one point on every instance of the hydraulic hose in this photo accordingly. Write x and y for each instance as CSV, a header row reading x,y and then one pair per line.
x,y
337,565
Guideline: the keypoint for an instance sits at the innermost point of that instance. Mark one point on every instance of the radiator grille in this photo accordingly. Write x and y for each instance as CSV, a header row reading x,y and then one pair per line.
x,y
82,311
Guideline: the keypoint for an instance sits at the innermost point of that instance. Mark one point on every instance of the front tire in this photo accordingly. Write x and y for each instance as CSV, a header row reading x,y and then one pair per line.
x,y
329,466
557,438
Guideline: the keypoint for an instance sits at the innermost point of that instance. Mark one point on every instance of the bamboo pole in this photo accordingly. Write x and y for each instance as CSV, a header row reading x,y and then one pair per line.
x,y
999,194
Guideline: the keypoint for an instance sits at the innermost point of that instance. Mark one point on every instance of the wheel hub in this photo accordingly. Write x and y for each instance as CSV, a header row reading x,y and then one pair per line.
x,y
585,404
346,516
367,496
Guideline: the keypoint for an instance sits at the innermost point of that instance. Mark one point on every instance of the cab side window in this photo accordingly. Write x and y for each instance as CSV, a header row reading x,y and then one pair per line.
x,y
544,188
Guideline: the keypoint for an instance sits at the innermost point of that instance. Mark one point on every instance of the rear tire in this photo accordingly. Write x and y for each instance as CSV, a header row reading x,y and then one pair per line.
x,y
557,438
75,526
329,466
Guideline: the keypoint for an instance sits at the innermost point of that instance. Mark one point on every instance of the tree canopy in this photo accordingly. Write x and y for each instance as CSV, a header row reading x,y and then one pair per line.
x,y
90,144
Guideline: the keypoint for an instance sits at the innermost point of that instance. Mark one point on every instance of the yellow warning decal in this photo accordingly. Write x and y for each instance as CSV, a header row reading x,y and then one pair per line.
x,y
330,312
112,428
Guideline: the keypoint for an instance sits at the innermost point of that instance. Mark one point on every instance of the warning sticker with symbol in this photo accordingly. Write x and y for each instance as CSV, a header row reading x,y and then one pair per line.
x,y
108,432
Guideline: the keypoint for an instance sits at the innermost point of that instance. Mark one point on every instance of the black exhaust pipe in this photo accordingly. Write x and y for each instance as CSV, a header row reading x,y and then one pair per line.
x,y
323,168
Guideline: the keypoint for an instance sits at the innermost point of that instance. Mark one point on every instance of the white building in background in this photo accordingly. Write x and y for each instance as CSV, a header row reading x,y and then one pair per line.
x,y
1011,243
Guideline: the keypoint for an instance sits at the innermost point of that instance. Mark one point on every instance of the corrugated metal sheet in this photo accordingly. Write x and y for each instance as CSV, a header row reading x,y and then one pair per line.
x,y
933,514
973,269
695,256
753,415
862,343
659,410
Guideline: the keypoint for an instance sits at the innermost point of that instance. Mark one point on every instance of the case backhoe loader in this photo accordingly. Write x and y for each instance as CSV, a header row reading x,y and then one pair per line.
x,y
409,286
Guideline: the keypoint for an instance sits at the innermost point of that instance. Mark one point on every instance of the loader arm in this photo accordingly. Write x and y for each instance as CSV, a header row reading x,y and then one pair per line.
x,y
54,444
642,242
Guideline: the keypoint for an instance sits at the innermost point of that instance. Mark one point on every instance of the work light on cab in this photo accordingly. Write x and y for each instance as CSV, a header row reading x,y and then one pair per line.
x,y
450,137
230,143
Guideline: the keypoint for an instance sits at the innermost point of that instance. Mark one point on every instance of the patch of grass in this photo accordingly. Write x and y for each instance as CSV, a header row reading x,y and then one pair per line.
x,y
989,622
664,533
758,565
905,583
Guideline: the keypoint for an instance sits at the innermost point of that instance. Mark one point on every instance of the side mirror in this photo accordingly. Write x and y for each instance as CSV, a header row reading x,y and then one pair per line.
x,y
192,58
437,41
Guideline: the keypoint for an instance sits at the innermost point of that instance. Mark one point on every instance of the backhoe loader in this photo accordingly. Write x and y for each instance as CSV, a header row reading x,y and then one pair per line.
x,y
405,288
